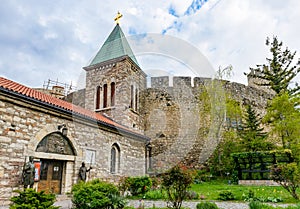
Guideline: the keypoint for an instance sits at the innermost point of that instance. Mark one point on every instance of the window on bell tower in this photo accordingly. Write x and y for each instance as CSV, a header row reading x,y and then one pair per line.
x,y
104,95
112,93
98,94
132,97
136,100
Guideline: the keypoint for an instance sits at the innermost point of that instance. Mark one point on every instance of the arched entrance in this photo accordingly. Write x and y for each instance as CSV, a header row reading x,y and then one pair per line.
x,y
57,150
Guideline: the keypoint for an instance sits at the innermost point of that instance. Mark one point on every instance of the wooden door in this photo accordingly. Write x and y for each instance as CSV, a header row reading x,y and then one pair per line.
x,y
51,176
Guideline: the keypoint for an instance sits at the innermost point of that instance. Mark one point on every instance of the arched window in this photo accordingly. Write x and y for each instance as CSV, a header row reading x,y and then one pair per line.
x,y
98,94
112,93
132,97
136,100
104,95
114,158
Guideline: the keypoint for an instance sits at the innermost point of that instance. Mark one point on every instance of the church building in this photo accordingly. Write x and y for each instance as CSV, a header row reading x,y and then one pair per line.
x,y
106,133
116,125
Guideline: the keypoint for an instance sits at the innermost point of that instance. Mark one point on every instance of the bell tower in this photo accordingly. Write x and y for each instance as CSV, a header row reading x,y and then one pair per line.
x,y
114,81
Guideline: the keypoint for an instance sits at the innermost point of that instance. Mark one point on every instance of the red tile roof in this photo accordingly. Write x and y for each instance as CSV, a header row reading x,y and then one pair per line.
x,y
32,93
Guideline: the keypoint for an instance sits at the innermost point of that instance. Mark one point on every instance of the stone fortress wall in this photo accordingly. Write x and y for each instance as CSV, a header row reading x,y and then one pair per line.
x,y
174,120
171,115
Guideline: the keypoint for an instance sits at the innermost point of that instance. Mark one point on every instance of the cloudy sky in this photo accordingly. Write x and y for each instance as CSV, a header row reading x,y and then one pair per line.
x,y
43,40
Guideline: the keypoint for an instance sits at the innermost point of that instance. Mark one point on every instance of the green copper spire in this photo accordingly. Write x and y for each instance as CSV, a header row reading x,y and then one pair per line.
x,y
116,45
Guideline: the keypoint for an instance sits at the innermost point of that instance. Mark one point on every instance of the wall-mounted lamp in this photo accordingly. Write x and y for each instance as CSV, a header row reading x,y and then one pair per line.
x,y
63,129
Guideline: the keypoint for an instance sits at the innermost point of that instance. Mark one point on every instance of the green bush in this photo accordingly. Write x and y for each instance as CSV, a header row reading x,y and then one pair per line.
x,y
250,196
288,176
293,207
259,205
203,175
270,199
156,194
206,205
136,185
129,207
29,199
96,194
226,195
176,182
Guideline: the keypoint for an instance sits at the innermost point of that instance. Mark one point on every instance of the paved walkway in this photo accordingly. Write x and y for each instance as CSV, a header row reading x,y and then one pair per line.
x,y
189,204
67,204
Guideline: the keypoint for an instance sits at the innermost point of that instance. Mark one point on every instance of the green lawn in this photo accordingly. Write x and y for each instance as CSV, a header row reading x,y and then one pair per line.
x,y
211,191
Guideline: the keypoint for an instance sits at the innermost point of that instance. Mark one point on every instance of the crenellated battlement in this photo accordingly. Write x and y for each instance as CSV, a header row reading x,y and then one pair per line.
x,y
177,81
237,90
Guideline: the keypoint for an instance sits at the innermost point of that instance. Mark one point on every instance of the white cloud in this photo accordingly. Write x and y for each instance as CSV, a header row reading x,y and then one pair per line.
x,y
55,39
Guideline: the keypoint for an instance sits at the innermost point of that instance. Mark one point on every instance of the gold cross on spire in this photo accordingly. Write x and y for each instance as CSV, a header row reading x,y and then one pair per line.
x,y
118,17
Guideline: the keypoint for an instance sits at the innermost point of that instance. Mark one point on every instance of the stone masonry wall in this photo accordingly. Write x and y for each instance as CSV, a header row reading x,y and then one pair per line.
x,y
124,74
24,125
173,119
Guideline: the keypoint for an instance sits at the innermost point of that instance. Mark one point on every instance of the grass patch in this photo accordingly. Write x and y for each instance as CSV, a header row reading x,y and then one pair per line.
x,y
211,190
217,190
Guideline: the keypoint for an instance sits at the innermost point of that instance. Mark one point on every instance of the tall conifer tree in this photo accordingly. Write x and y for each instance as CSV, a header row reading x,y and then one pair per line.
x,y
280,70
253,137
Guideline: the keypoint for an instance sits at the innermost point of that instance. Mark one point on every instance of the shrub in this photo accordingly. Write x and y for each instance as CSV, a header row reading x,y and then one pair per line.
x,y
226,195
259,205
156,194
250,196
129,207
156,182
256,205
116,201
270,199
124,185
288,176
206,205
136,185
202,175
29,199
176,181
96,194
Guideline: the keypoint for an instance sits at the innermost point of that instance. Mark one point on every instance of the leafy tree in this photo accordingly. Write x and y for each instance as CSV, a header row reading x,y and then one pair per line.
x,y
284,118
288,176
280,69
283,115
176,182
216,108
213,109
233,114
253,138
220,162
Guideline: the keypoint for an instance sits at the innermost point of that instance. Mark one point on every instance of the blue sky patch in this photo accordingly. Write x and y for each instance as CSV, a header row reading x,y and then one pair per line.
x,y
195,6
172,11
176,25
132,31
